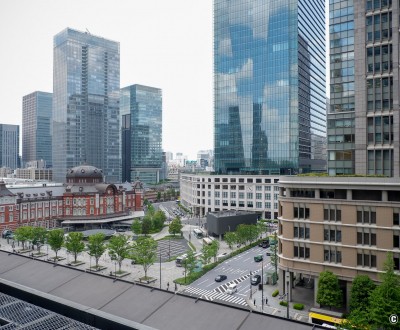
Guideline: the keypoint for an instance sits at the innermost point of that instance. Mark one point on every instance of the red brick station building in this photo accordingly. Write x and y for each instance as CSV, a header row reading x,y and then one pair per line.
x,y
85,201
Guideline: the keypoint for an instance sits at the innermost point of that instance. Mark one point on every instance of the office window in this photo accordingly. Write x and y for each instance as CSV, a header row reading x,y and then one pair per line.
x,y
301,212
366,259
366,215
332,234
366,236
396,219
396,241
301,251
331,213
332,254
258,195
301,230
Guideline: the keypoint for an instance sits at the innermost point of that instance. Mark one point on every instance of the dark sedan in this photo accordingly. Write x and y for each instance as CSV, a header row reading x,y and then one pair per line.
x,y
256,279
220,278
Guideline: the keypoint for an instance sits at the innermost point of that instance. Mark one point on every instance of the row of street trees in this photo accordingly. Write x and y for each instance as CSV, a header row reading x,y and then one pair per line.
x,y
143,251
370,304
169,194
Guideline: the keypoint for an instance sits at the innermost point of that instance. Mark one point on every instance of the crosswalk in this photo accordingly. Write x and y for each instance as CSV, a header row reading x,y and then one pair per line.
x,y
215,295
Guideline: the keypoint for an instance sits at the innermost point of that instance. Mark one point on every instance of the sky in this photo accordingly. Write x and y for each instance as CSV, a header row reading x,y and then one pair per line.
x,y
163,44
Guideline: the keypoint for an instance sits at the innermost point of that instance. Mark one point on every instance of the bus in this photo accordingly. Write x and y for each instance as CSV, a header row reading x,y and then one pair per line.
x,y
180,260
198,233
327,319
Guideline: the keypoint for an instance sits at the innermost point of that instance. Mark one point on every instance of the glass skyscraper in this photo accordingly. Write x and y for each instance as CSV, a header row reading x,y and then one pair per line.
x,y
86,103
269,86
363,119
141,131
36,127
9,146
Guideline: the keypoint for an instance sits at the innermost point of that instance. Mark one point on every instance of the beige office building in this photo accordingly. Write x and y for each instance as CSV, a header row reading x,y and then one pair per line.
x,y
343,224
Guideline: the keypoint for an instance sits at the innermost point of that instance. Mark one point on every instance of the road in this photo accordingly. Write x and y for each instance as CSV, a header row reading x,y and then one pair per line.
x,y
238,271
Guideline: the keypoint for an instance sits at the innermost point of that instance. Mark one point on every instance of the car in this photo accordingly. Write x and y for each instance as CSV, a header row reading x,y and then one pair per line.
x,y
258,258
7,233
220,278
263,244
121,230
255,279
269,253
232,288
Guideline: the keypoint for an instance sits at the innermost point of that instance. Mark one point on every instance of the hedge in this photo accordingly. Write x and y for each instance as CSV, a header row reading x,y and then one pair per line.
x,y
283,303
275,293
298,306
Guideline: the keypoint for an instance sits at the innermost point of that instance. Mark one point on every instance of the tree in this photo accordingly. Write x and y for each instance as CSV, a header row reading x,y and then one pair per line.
x,y
230,238
253,232
144,252
55,238
158,220
119,249
96,247
146,225
158,195
189,263
214,247
74,244
175,226
329,292
136,227
274,254
360,292
23,234
38,236
242,234
385,299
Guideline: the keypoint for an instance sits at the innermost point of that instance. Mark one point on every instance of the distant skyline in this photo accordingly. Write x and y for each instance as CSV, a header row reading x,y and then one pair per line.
x,y
164,44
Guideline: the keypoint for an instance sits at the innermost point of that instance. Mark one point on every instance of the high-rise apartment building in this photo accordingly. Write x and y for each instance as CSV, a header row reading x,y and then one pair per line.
x,y
269,86
9,146
86,91
36,127
363,119
141,131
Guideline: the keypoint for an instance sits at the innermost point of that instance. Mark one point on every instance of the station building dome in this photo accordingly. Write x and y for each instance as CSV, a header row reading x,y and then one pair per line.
x,y
84,174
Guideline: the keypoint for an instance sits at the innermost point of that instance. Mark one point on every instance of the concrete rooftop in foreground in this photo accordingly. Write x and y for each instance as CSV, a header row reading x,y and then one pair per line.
x,y
138,306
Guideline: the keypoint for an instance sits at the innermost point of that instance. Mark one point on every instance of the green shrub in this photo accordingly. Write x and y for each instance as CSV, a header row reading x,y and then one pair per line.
x,y
298,306
283,303
275,293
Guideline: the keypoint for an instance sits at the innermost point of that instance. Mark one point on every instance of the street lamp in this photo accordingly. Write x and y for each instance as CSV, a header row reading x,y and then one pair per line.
x,y
262,285
160,266
115,270
251,291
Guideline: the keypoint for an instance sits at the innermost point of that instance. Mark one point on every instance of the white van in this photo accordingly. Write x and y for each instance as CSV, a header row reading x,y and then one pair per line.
x,y
232,288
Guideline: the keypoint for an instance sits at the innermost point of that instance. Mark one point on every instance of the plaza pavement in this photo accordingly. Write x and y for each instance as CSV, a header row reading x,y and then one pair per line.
x,y
169,272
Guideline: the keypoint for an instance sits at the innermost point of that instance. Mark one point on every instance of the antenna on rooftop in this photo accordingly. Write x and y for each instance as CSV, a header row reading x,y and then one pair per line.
x,y
87,31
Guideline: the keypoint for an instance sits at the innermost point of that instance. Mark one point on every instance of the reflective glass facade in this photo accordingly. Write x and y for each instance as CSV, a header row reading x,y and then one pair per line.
x,y
269,86
9,146
86,104
36,127
141,130
363,118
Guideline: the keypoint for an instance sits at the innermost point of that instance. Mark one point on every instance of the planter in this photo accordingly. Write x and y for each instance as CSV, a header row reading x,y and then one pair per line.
x,y
119,275
147,280
96,269
76,264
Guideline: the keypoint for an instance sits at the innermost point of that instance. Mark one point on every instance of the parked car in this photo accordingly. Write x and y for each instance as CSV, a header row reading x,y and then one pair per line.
x,y
255,279
232,288
258,258
220,278
264,244
269,253
7,233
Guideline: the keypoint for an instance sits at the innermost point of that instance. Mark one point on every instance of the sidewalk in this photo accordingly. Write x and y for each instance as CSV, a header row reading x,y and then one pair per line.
x,y
273,307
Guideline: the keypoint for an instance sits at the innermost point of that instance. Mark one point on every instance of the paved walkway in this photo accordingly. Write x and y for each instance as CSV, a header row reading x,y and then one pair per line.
x,y
169,272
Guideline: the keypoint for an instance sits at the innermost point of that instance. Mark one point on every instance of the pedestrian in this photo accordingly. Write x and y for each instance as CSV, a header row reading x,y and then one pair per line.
x,y
176,287
168,286
254,302
266,301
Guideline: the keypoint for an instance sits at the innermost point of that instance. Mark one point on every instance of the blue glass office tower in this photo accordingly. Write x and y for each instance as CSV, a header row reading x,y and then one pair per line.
x,y
36,127
269,86
141,131
363,119
86,88
9,146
